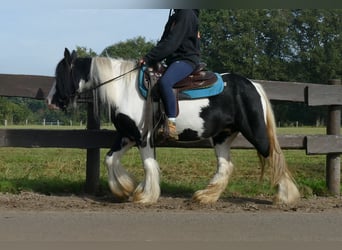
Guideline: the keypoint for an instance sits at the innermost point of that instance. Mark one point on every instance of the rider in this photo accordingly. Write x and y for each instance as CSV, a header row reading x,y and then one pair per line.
x,y
179,46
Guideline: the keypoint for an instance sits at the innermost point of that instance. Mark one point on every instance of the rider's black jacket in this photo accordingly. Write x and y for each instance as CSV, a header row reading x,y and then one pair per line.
x,y
180,39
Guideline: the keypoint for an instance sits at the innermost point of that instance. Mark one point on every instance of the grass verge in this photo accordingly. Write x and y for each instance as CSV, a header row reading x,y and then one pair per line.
x,y
183,171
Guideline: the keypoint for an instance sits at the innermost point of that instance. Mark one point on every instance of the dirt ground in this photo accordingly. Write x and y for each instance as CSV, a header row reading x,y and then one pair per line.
x,y
28,201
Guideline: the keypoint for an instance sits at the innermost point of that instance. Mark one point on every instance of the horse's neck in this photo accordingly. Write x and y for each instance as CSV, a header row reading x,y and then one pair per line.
x,y
122,92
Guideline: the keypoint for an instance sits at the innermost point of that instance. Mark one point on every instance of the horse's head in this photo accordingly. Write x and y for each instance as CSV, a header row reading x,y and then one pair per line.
x,y
70,73
63,90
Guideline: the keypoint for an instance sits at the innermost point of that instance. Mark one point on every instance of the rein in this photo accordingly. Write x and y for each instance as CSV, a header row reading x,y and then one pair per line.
x,y
113,79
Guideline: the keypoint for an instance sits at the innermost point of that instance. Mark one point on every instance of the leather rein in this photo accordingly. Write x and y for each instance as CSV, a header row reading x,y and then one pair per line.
x,y
112,79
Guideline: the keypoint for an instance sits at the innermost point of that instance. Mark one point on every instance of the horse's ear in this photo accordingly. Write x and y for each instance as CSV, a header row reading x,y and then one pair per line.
x,y
66,53
73,56
67,56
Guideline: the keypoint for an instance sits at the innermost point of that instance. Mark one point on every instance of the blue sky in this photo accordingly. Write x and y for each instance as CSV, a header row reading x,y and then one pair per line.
x,y
34,33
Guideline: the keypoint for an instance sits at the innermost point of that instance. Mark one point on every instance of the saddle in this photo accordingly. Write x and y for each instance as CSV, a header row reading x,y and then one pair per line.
x,y
198,79
199,84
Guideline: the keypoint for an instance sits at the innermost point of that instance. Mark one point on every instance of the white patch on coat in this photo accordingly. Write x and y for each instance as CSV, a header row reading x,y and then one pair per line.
x,y
189,115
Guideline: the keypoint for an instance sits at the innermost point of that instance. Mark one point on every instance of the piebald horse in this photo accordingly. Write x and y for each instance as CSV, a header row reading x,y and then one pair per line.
x,y
242,107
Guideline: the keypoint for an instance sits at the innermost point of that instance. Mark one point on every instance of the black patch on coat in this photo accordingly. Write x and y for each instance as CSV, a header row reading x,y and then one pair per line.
x,y
126,127
188,135
238,108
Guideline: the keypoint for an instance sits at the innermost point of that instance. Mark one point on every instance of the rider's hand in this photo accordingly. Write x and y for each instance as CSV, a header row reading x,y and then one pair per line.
x,y
141,62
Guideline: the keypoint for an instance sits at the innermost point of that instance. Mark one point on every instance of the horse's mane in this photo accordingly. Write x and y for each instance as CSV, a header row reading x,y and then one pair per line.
x,y
106,68
123,65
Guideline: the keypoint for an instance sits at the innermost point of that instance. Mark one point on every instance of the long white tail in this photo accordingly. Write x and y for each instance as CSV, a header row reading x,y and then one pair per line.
x,y
280,175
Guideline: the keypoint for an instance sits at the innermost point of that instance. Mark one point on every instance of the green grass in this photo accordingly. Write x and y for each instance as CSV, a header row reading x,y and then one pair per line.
x,y
42,170
183,171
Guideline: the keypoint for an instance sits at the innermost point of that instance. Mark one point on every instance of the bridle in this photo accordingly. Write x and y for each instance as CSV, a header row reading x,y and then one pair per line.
x,y
73,79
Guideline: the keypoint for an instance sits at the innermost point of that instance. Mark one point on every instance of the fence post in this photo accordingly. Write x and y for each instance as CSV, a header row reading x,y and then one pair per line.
x,y
93,155
333,166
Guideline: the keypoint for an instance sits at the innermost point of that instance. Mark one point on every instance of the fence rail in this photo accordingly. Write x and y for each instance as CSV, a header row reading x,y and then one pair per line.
x,y
93,138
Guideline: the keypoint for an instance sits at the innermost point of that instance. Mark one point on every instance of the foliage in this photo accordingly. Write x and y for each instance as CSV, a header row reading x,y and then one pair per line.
x,y
131,49
85,52
21,111
318,44
12,111
274,44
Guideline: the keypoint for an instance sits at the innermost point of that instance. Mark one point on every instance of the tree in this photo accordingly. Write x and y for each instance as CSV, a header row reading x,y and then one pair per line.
x,y
300,45
131,49
317,36
275,44
85,52
13,111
